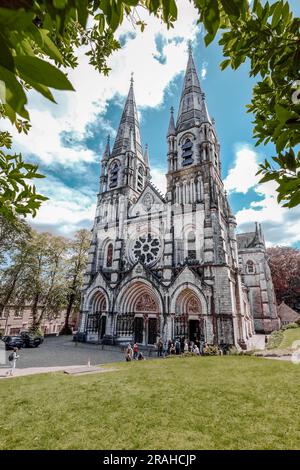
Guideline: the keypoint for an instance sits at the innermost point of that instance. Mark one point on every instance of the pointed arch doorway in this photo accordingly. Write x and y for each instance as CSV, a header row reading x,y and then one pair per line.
x,y
142,303
146,317
188,321
96,320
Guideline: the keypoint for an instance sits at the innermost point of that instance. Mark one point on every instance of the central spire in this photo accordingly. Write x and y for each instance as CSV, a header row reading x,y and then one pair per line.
x,y
192,108
128,135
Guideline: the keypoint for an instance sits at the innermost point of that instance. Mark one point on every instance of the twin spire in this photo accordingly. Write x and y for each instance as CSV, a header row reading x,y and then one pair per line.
x,y
128,136
192,107
192,112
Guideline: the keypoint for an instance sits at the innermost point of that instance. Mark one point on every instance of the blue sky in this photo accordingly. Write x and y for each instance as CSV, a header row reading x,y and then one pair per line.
x,y
67,139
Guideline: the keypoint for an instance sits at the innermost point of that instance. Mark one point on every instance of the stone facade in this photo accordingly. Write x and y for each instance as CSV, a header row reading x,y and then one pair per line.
x,y
168,265
256,275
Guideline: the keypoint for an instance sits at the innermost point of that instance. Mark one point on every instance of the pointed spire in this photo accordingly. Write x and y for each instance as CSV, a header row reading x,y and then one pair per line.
x,y
106,153
258,237
192,108
146,156
129,123
131,141
171,130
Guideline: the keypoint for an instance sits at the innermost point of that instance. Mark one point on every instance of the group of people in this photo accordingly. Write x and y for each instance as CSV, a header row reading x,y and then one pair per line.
x,y
177,346
183,345
133,353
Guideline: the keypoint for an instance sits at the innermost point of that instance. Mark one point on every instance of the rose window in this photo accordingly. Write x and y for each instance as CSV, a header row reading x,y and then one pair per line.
x,y
146,249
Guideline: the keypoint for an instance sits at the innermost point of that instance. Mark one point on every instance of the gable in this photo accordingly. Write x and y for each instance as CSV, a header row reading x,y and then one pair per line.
x,y
149,201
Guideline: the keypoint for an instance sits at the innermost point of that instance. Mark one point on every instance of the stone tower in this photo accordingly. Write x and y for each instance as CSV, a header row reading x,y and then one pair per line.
x,y
203,224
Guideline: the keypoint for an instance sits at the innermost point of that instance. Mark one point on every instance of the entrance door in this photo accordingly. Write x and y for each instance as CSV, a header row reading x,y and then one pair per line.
x,y
102,327
152,330
138,329
194,330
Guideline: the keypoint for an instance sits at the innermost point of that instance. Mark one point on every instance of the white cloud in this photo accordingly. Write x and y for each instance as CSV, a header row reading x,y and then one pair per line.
x,y
93,91
281,225
67,209
242,176
203,72
159,178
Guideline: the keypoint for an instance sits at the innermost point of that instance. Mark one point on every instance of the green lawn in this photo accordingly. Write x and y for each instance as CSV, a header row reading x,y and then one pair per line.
x,y
289,336
192,403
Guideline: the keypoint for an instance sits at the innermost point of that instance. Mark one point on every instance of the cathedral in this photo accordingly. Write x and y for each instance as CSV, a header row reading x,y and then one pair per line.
x,y
172,265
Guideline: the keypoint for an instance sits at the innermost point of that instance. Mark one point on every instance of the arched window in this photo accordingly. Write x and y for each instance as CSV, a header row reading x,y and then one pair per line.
x,y
109,255
114,170
187,152
191,246
250,268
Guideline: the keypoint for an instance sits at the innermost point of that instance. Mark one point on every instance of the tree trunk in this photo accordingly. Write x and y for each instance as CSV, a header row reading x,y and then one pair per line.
x,y
66,328
10,292
34,310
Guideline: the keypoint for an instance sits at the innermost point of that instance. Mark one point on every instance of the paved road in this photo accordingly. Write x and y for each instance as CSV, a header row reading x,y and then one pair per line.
x,y
62,351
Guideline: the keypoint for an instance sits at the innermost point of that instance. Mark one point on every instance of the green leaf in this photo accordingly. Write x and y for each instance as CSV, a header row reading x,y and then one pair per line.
x,y
15,20
173,9
211,19
82,12
281,142
283,114
232,7
268,177
60,4
10,113
285,13
50,48
225,64
6,58
15,96
44,90
276,15
295,199
134,3
42,72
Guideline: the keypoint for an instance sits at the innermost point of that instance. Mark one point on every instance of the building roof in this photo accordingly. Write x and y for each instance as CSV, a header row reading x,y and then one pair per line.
x,y
251,239
286,313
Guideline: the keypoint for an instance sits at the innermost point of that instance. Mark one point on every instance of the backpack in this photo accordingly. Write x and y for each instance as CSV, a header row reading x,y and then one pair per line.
x,y
11,357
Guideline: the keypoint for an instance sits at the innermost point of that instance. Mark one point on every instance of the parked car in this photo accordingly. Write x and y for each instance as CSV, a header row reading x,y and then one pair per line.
x,y
12,342
31,340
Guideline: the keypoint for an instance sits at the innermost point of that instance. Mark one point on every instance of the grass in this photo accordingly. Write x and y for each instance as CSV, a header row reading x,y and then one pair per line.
x,y
182,403
289,336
